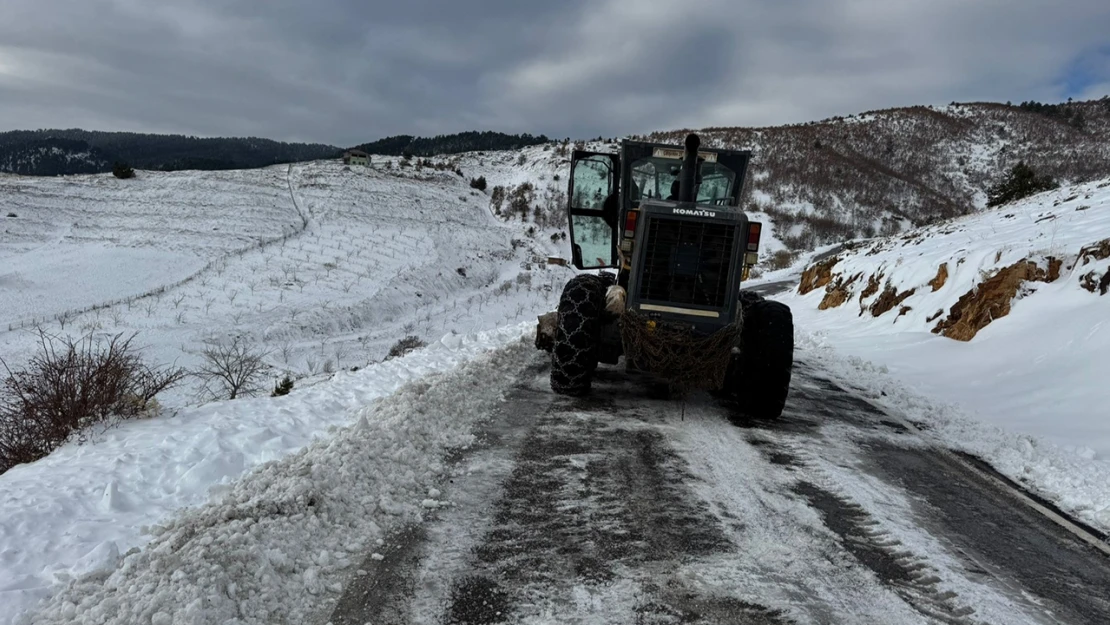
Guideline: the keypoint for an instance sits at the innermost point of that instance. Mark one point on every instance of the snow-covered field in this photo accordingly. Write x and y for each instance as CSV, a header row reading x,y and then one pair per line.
x,y
326,267
1029,391
322,267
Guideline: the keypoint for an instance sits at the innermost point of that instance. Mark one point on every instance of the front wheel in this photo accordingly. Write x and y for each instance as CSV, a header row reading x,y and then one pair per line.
x,y
574,356
759,378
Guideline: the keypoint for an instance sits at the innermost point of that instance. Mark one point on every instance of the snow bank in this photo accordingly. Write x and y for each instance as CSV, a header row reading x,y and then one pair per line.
x,y
77,510
1028,391
1077,483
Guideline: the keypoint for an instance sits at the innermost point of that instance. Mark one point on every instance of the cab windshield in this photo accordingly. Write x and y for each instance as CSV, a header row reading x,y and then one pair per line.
x,y
653,177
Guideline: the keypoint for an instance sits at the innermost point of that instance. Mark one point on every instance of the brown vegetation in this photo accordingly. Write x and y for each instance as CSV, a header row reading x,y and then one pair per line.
x,y
71,386
911,158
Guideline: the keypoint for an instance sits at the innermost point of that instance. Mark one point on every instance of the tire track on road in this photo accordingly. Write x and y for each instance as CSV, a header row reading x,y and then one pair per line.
x,y
622,507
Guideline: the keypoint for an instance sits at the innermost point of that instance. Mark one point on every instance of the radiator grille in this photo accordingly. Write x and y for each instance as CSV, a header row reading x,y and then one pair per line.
x,y
687,262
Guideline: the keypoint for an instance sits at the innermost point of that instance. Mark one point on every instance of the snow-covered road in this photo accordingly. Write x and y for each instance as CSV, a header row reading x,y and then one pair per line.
x,y
477,495
622,508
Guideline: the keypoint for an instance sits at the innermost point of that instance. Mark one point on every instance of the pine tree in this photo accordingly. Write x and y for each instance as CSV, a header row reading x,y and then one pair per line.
x,y
122,170
283,387
1021,181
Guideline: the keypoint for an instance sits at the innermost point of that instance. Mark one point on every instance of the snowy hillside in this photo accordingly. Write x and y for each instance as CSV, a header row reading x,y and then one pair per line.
x,y
325,267
322,267
881,172
1003,315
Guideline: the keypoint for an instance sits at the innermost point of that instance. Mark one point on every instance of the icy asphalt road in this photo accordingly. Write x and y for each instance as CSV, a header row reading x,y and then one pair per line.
x,y
627,508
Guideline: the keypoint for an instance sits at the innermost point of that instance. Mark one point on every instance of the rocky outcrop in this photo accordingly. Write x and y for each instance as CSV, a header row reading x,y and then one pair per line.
x,y
1091,280
817,276
991,299
941,277
888,299
838,292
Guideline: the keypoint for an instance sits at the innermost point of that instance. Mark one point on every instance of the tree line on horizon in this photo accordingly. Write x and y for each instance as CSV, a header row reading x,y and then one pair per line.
x,y
472,141
74,151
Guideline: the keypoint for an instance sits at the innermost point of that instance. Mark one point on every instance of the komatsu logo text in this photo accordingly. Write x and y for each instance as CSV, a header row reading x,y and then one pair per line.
x,y
691,213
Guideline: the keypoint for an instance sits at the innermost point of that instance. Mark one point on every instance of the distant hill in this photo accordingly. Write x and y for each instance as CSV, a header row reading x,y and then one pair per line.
x,y
74,151
450,144
52,156
61,152
882,171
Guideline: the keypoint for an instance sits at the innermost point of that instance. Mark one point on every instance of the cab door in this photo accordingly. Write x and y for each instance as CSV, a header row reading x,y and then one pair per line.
x,y
593,206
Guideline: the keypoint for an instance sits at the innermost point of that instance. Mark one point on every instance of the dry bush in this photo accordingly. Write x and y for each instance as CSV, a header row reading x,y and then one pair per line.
x,y
405,345
780,260
283,387
231,369
70,386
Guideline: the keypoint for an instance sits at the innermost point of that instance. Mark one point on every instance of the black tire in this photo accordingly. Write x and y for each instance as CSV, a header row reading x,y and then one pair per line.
x,y
747,298
759,379
574,357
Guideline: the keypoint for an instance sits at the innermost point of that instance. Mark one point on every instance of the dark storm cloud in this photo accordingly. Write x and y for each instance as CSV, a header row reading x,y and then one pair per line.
x,y
344,72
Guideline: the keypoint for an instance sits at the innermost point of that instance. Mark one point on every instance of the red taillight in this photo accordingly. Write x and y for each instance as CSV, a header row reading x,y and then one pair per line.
x,y
753,236
630,223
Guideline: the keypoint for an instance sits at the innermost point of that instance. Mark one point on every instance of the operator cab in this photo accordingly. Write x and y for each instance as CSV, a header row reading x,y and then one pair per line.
x,y
605,198
656,177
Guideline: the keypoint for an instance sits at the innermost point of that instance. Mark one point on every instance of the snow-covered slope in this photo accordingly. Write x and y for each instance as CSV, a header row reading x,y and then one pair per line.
x,y
1000,316
325,267
321,266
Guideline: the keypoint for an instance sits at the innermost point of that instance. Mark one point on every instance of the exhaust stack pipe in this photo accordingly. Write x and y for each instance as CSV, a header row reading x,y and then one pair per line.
x,y
687,179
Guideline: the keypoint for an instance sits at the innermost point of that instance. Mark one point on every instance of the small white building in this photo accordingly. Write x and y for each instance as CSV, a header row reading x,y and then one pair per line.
x,y
356,157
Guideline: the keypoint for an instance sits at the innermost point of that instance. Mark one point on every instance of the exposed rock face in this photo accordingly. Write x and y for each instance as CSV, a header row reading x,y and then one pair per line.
x,y
1091,280
817,276
872,287
941,278
889,298
991,299
838,292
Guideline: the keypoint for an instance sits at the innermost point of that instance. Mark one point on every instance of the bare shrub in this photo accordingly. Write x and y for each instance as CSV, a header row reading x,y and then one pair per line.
x,y
70,386
231,369
520,200
283,387
780,260
404,346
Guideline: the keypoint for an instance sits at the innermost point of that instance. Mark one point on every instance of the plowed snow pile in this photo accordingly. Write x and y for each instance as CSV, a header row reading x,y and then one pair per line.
x,y
245,468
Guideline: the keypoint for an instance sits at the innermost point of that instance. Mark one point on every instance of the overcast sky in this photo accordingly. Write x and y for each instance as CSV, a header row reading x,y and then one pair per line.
x,y
345,72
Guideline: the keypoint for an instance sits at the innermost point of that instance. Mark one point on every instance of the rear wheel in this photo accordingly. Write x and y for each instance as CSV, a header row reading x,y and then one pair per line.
x,y
747,298
575,354
759,378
